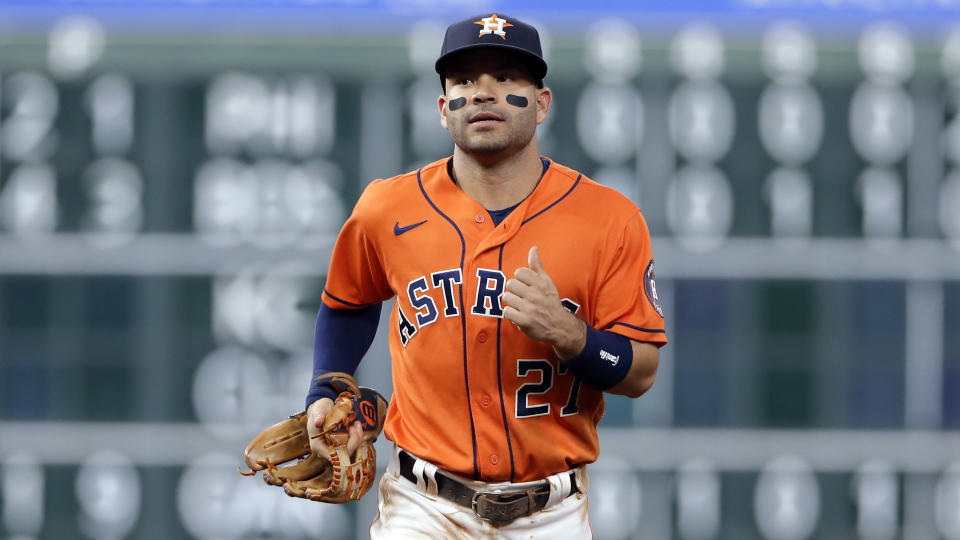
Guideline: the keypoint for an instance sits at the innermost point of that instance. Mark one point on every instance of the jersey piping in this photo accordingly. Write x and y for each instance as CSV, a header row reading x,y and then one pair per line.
x,y
344,302
554,203
463,324
638,328
503,408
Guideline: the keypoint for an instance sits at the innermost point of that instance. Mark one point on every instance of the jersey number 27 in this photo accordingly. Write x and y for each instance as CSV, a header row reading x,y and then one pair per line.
x,y
528,369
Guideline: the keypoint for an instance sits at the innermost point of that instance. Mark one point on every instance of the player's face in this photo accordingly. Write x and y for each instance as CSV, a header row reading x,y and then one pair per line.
x,y
476,109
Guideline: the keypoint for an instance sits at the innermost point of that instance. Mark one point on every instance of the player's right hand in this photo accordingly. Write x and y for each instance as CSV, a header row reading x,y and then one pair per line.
x,y
316,413
532,303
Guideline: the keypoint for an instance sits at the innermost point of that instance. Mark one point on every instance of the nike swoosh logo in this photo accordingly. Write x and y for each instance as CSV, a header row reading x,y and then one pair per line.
x,y
398,230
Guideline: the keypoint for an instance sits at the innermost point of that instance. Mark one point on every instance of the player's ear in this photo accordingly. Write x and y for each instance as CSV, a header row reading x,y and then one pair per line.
x,y
544,100
441,103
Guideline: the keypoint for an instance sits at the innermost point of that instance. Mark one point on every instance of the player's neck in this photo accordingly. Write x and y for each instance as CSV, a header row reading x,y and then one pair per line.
x,y
498,183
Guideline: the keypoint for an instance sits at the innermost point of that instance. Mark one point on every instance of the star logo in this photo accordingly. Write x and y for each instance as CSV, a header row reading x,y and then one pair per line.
x,y
493,25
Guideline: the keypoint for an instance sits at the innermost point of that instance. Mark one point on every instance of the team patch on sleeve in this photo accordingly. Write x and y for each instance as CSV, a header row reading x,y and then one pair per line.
x,y
650,286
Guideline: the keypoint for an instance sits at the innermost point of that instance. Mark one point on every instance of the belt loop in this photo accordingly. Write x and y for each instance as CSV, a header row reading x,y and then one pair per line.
x,y
418,466
431,476
583,479
426,475
559,488
393,467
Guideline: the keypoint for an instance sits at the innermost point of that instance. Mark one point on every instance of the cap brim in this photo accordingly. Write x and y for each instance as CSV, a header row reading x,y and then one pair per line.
x,y
538,67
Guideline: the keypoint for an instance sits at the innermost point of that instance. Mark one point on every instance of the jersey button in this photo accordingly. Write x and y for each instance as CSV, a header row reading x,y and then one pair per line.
x,y
485,401
482,337
478,218
494,459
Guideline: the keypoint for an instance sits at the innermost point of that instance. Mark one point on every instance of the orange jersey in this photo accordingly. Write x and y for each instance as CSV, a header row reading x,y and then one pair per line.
x,y
472,393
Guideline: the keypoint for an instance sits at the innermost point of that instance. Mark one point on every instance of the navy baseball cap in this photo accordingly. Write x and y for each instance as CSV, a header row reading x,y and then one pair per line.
x,y
493,31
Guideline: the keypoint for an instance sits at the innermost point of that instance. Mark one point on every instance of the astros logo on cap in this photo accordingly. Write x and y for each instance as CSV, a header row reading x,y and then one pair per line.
x,y
493,25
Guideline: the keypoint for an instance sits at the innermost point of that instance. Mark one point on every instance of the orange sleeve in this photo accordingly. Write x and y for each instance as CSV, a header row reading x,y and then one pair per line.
x,y
356,277
627,301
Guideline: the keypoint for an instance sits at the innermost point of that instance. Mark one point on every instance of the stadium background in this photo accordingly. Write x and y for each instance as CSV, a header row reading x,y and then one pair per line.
x,y
173,174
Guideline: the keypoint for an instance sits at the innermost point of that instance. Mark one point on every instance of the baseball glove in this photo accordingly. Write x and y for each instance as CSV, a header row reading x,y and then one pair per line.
x,y
282,451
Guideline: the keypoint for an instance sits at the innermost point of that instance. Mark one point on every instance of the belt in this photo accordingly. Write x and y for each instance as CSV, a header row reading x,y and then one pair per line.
x,y
495,507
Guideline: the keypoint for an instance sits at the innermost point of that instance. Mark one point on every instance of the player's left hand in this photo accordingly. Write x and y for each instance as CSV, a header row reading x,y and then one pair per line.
x,y
532,303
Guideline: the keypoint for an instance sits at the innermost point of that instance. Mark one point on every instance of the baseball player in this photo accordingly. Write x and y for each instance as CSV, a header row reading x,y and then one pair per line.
x,y
524,291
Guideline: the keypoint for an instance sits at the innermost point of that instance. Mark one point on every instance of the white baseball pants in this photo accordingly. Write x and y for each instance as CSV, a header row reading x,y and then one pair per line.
x,y
408,510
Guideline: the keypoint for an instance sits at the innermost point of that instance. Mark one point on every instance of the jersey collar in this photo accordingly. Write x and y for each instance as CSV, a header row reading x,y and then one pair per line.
x,y
556,183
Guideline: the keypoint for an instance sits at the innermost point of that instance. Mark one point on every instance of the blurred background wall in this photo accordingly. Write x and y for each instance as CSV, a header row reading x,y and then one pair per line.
x,y
173,174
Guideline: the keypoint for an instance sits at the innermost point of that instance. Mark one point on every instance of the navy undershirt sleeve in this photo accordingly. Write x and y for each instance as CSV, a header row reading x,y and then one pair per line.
x,y
341,339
